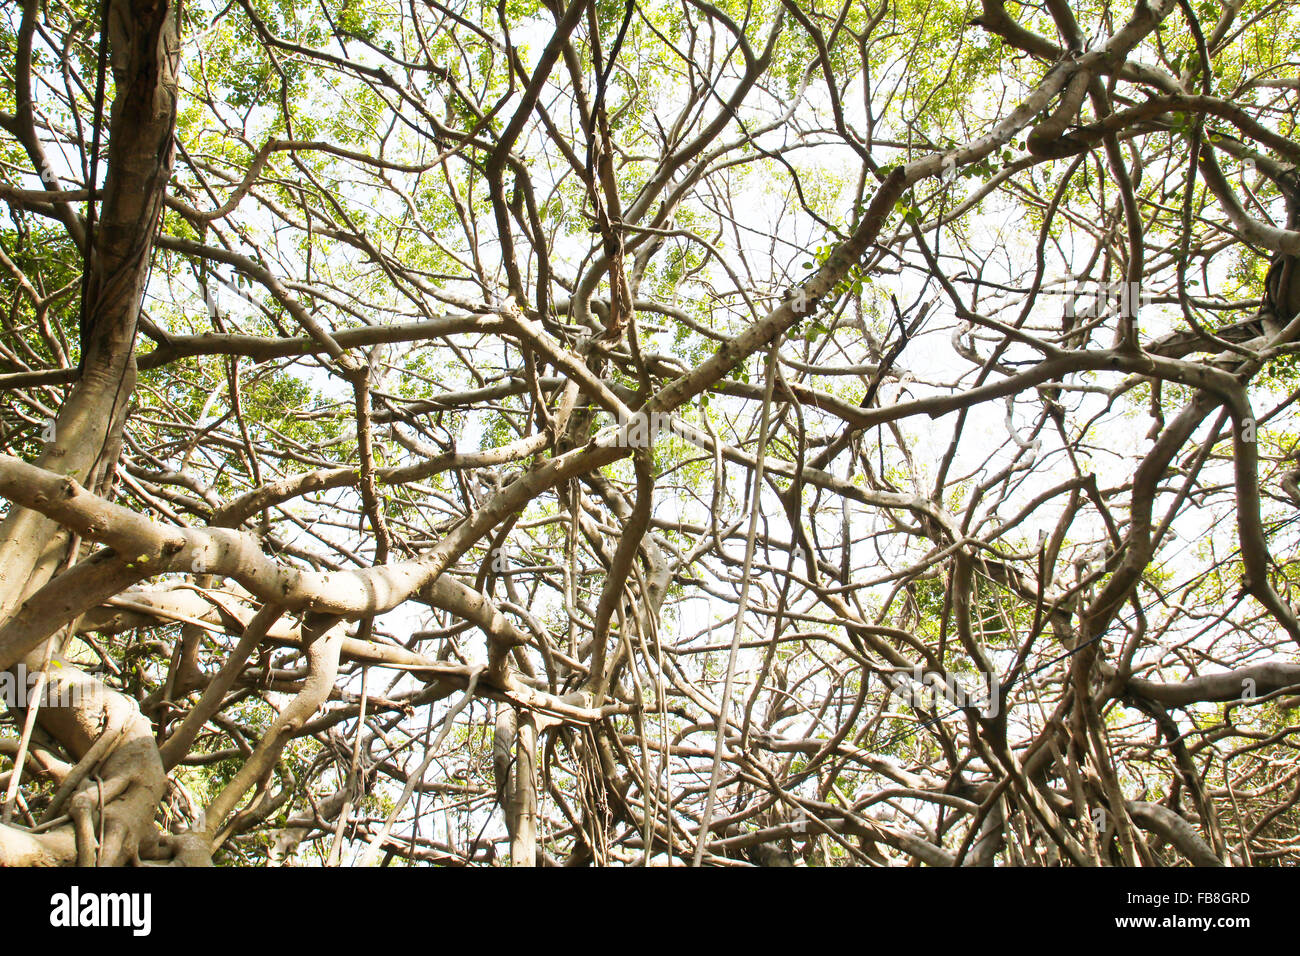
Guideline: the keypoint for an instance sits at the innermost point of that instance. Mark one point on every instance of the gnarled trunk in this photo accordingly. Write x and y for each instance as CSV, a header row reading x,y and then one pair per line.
x,y
119,779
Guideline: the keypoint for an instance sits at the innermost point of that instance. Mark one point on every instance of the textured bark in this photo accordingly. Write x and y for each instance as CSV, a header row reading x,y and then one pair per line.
x,y
144,46
521,811
1176,830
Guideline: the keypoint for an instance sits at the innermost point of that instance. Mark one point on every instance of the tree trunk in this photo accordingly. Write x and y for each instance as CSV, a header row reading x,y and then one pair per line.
x,y
521,806
144,45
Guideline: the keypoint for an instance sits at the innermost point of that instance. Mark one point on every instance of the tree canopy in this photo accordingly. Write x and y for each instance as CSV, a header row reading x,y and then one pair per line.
x,y
660,432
